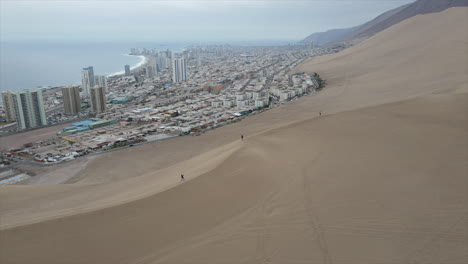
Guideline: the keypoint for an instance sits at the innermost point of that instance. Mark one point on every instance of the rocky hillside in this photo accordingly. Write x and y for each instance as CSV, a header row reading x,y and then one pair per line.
x,y
382,22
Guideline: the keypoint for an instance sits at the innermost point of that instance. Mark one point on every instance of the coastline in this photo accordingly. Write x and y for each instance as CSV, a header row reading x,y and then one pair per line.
x,y
66,59
143,61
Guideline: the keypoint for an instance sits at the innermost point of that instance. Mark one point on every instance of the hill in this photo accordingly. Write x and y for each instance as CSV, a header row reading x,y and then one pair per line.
x,y
324,38
383,21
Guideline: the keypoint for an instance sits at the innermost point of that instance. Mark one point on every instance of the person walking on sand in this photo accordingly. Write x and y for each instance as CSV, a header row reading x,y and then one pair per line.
x,y
182,177
242,137
320,113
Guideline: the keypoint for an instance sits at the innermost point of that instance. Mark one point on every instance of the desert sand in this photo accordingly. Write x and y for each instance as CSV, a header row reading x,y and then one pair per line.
x,y
381,178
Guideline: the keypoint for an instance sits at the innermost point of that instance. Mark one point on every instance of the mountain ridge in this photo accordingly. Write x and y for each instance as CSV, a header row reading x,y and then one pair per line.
x,y
385,20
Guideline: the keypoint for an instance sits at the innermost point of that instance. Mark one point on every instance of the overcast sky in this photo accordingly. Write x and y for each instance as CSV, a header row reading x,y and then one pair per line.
x,y
181,21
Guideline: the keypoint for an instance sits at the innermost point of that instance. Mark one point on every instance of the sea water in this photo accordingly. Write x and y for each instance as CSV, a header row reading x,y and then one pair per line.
x,y
32,65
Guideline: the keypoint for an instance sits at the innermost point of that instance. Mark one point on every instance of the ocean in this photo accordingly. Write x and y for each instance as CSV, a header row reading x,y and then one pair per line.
x,y
32,65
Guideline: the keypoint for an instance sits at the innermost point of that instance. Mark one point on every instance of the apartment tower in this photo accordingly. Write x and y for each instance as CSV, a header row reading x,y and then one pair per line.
x,y
29,108
101,80
97,99
179,70
8,106
127,70
87,80
71,100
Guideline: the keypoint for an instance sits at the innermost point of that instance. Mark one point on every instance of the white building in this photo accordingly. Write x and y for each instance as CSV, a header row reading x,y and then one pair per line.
x,y
255,95
229,103
275,91
284,95
149,72
161,61
241,103
261,102
87,80
240,96
179,70
29,108
127,70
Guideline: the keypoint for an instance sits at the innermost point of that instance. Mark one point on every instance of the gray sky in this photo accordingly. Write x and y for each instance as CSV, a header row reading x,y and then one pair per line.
x,y
173,21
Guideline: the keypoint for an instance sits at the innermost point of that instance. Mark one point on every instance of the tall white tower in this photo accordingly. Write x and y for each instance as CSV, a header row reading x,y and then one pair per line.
x,y
149,72
179,70
87,80
127,70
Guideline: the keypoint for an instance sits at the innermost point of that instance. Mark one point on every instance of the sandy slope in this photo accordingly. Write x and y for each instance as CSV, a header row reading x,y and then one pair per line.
x,y
382,184
358,187
399,14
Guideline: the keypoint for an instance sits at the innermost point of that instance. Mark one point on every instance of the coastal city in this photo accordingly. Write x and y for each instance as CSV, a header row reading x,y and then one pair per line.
x,y
171,94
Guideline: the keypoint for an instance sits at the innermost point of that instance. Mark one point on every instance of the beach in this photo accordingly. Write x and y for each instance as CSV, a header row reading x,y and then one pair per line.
x,y
140,65
379,177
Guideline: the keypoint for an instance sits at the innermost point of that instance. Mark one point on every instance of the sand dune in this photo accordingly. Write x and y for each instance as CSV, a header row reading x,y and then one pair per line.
x,y
380,179
334,192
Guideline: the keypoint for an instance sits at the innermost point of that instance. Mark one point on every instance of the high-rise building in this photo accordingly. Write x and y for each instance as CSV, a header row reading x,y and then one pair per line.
x,y
8,106
29,108
87,80
161,60
127,70
71,100
97,99
168,63
149,72
179,70
101,80
155,65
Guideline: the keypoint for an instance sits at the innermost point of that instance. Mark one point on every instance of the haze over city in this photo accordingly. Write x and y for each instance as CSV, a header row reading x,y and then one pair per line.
x,y
181,21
